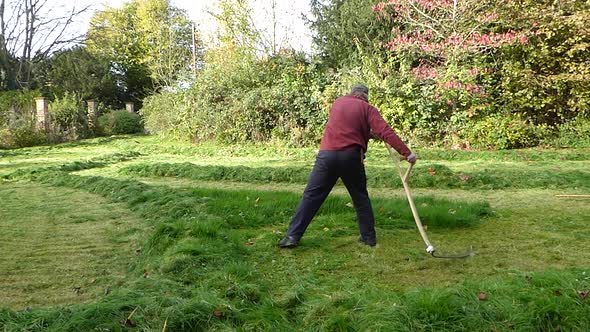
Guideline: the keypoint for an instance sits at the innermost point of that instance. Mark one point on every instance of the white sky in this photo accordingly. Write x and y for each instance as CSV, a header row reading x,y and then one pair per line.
x,y
291,30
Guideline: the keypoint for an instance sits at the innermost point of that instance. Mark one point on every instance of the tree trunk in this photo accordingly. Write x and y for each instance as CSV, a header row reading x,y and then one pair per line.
x,y
6,67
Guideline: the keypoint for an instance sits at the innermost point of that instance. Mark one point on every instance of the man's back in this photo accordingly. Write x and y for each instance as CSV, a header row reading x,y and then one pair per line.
x,y
351,121
348,125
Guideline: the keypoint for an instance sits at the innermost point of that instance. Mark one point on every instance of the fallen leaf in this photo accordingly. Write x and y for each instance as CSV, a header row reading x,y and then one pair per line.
x,y
431,171
145,274
218,313
381,210
107,291
583,294
249,243
482,296
463,177
452,211
326,229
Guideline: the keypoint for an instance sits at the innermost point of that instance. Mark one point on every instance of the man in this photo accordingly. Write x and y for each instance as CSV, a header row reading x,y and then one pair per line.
x,y
351,123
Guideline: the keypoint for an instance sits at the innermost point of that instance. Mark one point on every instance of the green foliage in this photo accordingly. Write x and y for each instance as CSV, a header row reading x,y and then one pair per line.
x,y
17,114
237,98
120,122
548,79
503,131
148,43
236,29
20,133
17,103
434,95
169,113
345,29
573,133
77,71
69,120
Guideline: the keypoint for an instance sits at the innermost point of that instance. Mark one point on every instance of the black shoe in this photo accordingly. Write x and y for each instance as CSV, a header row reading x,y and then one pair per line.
x,y
370,243
288,242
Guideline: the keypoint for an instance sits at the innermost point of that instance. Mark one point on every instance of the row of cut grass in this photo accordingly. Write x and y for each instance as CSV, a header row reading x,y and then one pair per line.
x,y
424,175
153,145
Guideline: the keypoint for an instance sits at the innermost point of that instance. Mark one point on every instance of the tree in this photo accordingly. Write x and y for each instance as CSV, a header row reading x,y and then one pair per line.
x,y
78,72
439,37
344,29
29,34
445,54
239,26
548,79
148,41
500,73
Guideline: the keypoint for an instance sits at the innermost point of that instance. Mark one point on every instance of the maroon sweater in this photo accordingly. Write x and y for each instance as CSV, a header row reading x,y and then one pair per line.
x,y
351,121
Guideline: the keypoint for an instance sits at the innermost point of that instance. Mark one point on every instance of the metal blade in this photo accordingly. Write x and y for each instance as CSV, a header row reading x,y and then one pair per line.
x,y
468,253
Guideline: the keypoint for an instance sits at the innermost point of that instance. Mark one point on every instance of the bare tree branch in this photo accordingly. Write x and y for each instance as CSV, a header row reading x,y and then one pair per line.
x,y
422,13
34,29
424,25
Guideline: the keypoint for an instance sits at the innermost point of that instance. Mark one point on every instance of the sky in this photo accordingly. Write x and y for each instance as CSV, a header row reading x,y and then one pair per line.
x,y
291,30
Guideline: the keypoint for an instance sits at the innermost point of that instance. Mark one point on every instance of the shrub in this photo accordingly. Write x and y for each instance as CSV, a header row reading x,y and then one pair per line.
x,y
573,133
169,113
503,132
120,122
237,98
69,120
19,134
17,114
16,104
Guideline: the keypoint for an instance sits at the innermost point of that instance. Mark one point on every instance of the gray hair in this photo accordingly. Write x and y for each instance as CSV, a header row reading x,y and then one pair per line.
x,y
360,90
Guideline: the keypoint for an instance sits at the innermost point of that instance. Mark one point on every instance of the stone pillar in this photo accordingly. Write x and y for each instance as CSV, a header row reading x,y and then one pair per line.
x,y
130,107
42,113
92,113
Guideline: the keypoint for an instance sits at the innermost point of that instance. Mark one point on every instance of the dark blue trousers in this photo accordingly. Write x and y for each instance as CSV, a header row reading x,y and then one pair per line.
x,y
329,166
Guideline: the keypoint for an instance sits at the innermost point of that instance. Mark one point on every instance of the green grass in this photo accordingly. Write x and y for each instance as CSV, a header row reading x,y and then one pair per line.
x,y
207,233
61,246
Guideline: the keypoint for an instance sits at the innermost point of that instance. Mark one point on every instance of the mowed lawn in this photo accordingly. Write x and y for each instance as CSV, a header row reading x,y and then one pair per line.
x,y
61,246
138,233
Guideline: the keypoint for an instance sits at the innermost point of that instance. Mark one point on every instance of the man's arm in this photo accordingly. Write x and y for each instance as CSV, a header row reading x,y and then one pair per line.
x,y
374,136
382,130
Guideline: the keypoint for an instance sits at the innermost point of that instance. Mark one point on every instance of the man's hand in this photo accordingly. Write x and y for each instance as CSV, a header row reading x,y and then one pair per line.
x,y
412,158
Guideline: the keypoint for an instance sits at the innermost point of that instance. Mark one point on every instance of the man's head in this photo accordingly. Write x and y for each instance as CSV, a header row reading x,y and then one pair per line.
x,y
360,90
